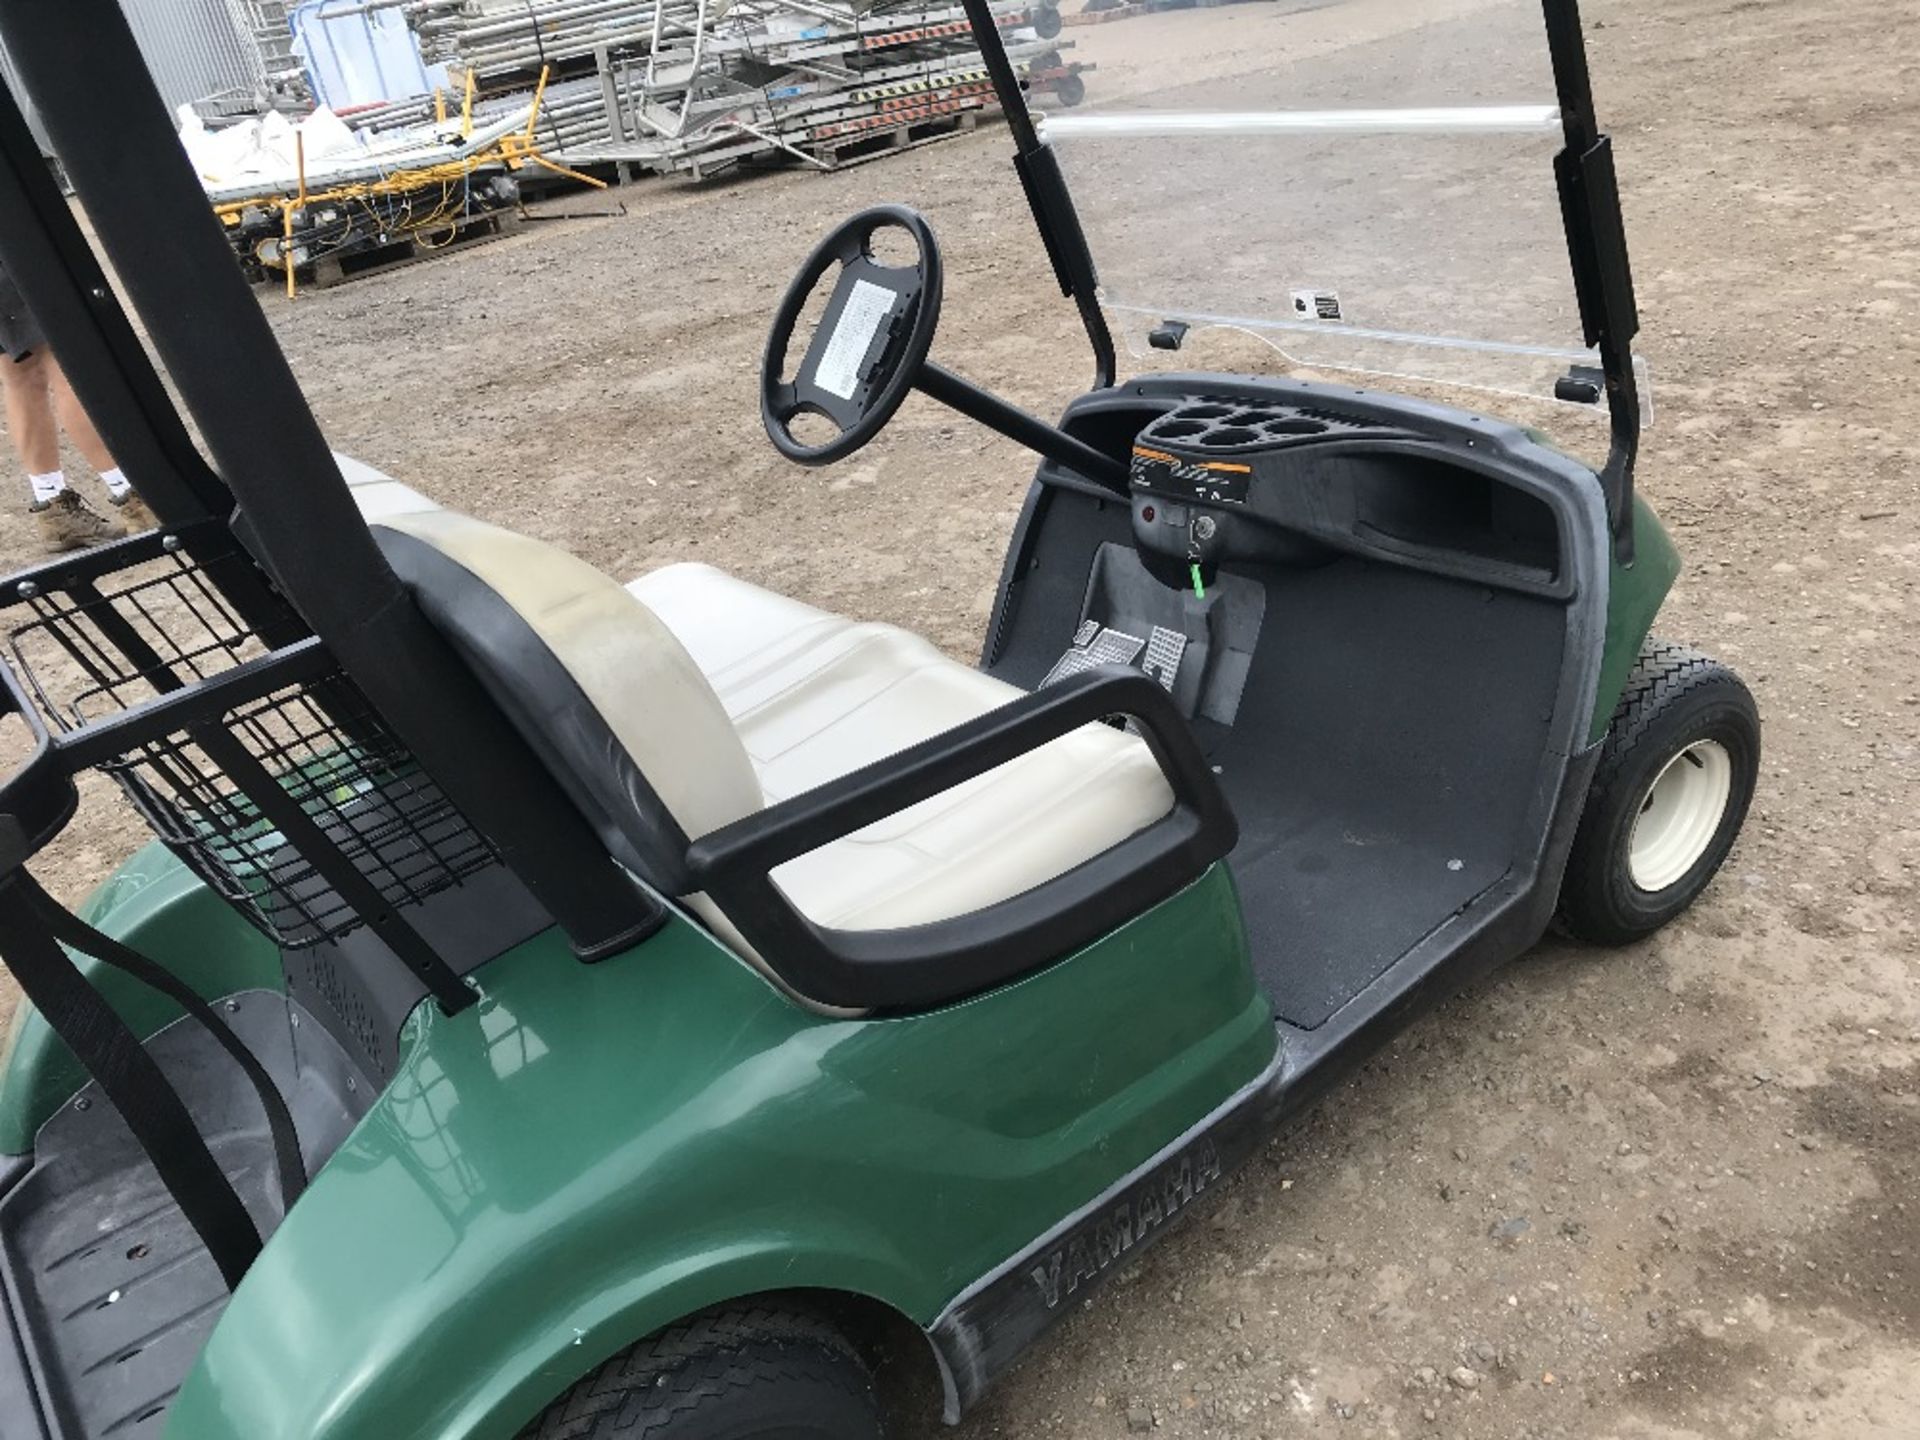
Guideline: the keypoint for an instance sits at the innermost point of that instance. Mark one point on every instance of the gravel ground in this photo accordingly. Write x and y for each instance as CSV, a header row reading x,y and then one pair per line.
x,y
1667,1192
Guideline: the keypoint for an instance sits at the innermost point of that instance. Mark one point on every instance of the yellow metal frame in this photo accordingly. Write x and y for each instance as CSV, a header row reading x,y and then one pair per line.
x,y
515,150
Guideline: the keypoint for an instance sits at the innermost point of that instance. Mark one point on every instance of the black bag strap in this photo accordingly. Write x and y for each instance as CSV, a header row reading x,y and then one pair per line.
x,y
73,932
132,1082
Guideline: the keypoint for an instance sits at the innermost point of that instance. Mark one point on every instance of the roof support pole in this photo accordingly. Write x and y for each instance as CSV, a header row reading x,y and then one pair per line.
x,y
296,514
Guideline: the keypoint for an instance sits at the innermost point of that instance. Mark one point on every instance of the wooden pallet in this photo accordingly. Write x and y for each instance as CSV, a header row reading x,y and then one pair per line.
x,y
1103,17
1140,7
912,129
337,269
537,184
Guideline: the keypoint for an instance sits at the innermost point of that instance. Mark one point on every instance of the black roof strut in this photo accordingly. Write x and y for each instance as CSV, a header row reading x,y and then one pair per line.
x,y
1047,194
1597,247
295,512
116,382
318,573
1590,209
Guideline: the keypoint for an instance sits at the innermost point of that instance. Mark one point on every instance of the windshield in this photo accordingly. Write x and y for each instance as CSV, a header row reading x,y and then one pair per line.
x,y
1365,185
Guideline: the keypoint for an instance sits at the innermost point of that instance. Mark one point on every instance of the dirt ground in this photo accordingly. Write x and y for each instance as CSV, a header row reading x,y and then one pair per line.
x,y
1667,1192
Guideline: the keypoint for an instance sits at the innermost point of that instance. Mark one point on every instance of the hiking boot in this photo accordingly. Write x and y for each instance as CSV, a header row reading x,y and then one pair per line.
x,y
134,514
67,523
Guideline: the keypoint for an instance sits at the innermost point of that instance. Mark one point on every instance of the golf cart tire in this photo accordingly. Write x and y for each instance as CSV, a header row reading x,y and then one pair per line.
x,y
725,1375
1676,701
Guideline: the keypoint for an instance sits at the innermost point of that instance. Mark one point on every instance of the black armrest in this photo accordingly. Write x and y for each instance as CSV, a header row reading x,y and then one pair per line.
x,y
931,964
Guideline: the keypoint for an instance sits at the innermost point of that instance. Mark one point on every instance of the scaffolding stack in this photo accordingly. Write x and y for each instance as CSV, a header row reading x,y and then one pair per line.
x,y
594,90
697,86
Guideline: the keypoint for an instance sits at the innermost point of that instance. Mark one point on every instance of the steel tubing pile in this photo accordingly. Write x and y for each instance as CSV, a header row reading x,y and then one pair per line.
x,y
696,85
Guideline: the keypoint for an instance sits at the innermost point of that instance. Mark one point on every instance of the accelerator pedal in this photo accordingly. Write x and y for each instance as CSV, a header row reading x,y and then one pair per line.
x,y
1164,653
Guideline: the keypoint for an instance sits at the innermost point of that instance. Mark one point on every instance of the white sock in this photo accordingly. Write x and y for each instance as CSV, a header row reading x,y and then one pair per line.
x,y
117,484
47,487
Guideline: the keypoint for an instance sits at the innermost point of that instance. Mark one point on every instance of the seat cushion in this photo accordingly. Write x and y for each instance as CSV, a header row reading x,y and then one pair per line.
x,y
703,697
814,697
599,688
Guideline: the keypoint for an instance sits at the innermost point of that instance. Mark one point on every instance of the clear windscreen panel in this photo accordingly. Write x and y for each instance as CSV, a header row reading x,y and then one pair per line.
x,y
1363,185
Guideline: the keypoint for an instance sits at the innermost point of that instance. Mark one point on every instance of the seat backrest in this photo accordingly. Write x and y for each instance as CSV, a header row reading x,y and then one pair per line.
x,y
602,691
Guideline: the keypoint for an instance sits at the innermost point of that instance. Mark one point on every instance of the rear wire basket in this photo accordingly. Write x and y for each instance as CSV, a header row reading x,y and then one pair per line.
x,y
97,649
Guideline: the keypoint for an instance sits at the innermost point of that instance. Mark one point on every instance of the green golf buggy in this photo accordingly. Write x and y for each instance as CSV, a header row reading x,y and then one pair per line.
x,y
559,1007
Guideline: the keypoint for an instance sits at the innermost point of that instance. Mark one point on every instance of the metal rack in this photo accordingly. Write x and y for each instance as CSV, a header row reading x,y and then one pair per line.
x,y
264,769
205,667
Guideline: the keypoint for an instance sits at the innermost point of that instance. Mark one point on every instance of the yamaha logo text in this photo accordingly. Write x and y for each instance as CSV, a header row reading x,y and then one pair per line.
x,y
1133,1219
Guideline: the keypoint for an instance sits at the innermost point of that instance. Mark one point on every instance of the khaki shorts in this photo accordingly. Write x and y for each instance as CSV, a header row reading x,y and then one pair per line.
x,y
20,333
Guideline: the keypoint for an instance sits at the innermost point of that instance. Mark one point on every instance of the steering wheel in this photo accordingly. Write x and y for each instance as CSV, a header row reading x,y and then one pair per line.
x,y
870,345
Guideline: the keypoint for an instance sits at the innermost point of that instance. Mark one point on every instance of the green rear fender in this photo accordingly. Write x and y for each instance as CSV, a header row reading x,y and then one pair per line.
x,y
154,904
1635,594
596,1151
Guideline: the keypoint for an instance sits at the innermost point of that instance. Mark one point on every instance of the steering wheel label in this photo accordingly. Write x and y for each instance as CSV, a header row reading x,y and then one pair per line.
x,y
868,305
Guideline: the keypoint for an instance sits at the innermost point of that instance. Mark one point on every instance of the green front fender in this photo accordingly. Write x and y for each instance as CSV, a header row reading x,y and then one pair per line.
x,y
1635,594
595,1151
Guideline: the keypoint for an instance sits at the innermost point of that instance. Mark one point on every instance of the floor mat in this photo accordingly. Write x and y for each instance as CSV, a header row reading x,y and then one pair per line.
x,y
1381,767
111,1290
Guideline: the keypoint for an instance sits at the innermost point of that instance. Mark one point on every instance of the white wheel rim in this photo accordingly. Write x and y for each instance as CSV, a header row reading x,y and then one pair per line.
x,y
1680,814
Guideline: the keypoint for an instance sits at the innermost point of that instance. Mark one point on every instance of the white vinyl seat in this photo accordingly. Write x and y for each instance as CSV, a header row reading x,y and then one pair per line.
x,y
814,696
710,697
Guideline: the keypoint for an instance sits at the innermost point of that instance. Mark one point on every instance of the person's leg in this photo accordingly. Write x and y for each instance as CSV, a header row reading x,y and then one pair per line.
x,y
86,439
65,521
30,422
76,422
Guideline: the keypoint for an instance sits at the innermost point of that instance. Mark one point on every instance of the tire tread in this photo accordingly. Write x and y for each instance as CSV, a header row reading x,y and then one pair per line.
x,y
646,1388
1663,677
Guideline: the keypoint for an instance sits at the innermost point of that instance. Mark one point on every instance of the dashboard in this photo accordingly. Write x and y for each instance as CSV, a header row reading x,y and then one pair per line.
x,y
1215,480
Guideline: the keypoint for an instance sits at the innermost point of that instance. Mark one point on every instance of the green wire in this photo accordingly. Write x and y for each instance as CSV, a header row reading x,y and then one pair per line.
x,y
1199,586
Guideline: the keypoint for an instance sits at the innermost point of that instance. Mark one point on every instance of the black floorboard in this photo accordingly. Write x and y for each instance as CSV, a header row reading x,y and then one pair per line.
x,y
1381,765
104,1283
